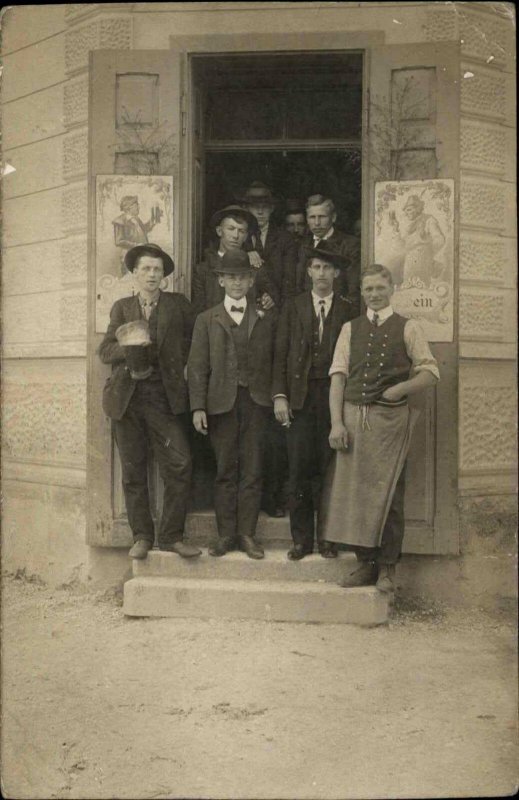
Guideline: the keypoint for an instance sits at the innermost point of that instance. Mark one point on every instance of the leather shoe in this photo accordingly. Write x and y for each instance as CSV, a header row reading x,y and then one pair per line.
x,y
365,574
297,552
328,550
386,578
272,508
251,547
184,550
220,547
140,549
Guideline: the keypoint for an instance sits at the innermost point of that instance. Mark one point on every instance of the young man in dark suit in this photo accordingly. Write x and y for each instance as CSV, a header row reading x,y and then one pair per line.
x,y
274,246
307,332
232,225
147,344
320,217
229,376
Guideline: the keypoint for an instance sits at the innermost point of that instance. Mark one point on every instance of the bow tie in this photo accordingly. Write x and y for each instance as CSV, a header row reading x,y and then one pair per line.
x,y
240,309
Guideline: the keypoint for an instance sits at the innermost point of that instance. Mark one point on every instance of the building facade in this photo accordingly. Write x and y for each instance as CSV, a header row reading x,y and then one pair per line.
x,y
127,89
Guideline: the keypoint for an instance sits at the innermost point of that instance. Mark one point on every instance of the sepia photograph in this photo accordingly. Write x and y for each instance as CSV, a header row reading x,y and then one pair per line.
x,y
259,401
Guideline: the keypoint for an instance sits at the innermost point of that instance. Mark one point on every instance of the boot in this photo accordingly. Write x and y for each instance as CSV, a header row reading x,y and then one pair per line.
x,y
364,574
386,578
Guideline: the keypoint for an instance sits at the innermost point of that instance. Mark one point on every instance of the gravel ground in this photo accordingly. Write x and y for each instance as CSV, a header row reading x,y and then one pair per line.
x,y
97,705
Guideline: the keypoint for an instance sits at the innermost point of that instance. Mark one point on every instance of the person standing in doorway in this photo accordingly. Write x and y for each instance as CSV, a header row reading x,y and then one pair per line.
x,y
295,219
147,343
307,333
229,376
371,430
321,217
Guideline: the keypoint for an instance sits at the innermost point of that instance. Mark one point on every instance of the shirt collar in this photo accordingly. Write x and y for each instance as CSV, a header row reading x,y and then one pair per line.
x,y
228,302
327,300
151,303
383,314
327,235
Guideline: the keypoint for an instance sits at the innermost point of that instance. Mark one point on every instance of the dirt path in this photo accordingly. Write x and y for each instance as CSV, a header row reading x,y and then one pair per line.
x,y
96,705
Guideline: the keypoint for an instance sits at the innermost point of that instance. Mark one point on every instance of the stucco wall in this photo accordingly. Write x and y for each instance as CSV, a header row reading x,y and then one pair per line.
x,y
45,137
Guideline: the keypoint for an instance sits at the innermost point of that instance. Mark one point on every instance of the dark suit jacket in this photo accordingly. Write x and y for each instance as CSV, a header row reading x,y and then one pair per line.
x,y
281,254
293,351
212,368
174,328
206,292
348,282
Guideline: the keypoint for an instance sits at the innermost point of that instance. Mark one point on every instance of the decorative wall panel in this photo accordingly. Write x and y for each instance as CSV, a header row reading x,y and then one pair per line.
x,y
482,204
487,419
75,155
485,37
74,261
74,208
105,33
481,315
441,23
483,93
45,420
483,147
72,315
482,260
75,101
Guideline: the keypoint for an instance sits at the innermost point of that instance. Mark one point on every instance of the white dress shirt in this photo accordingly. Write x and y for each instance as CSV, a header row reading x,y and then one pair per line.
x,y
236,316
326,236
416,345
319,302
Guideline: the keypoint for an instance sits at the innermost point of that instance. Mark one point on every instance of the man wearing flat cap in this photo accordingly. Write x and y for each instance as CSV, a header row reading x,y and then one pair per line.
x,y
147,343
273,246
307,332
129,229
321,217
232,226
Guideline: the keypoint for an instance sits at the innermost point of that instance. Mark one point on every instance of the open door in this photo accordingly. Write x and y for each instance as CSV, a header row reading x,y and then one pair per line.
x,y
135,114
408,144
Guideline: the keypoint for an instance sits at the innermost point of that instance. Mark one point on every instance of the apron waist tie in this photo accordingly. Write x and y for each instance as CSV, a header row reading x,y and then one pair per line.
x,y
364,419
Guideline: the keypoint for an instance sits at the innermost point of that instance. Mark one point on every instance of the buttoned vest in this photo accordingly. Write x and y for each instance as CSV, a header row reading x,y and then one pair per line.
x,y
240,335
378,358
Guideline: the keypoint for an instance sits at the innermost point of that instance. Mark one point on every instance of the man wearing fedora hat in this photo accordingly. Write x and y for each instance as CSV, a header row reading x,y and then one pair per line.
x,y
321,217
275,247
229,376
307,332
147,344
232,225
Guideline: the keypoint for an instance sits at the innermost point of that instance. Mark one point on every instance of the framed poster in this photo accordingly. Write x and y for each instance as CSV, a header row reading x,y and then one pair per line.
x,y
130,210
414,239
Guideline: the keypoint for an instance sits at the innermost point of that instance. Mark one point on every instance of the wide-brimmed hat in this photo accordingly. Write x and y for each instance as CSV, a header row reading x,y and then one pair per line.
x,y
132,256
233,262
128,201
232,211
258,192
328,252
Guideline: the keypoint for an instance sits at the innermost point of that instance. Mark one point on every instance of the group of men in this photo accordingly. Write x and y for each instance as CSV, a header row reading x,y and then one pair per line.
x,y
275,366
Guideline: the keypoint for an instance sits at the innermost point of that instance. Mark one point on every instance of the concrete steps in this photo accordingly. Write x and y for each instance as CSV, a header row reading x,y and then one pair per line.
x,y
237,587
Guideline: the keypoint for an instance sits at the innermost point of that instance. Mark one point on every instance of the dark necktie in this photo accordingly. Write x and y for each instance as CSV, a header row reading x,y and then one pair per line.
x,y
240,309
322,317
375,320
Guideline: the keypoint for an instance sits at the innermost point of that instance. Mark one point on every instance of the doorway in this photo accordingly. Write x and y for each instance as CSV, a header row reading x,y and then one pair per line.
x,y
292,121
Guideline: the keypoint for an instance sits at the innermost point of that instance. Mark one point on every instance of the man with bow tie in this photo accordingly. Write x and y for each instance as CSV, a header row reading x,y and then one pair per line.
x,y
147,344
321,217
229,376
307,332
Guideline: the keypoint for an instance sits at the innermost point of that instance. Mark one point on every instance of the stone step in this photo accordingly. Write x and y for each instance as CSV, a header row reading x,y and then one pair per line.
x,y
238,566
281,601
201,528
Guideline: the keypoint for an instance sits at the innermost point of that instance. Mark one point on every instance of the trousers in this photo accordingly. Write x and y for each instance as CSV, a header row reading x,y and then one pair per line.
x,y
237,440
309,454
149,421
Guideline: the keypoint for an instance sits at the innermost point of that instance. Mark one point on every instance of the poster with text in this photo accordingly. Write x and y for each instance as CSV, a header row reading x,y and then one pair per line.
x,y
130,210
414,239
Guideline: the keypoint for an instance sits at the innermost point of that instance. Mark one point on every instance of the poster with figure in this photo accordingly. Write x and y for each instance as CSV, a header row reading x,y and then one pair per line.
x,y
130,210
414,238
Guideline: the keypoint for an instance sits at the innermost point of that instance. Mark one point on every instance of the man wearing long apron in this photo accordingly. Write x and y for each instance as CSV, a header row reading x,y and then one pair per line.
x,y
372,424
